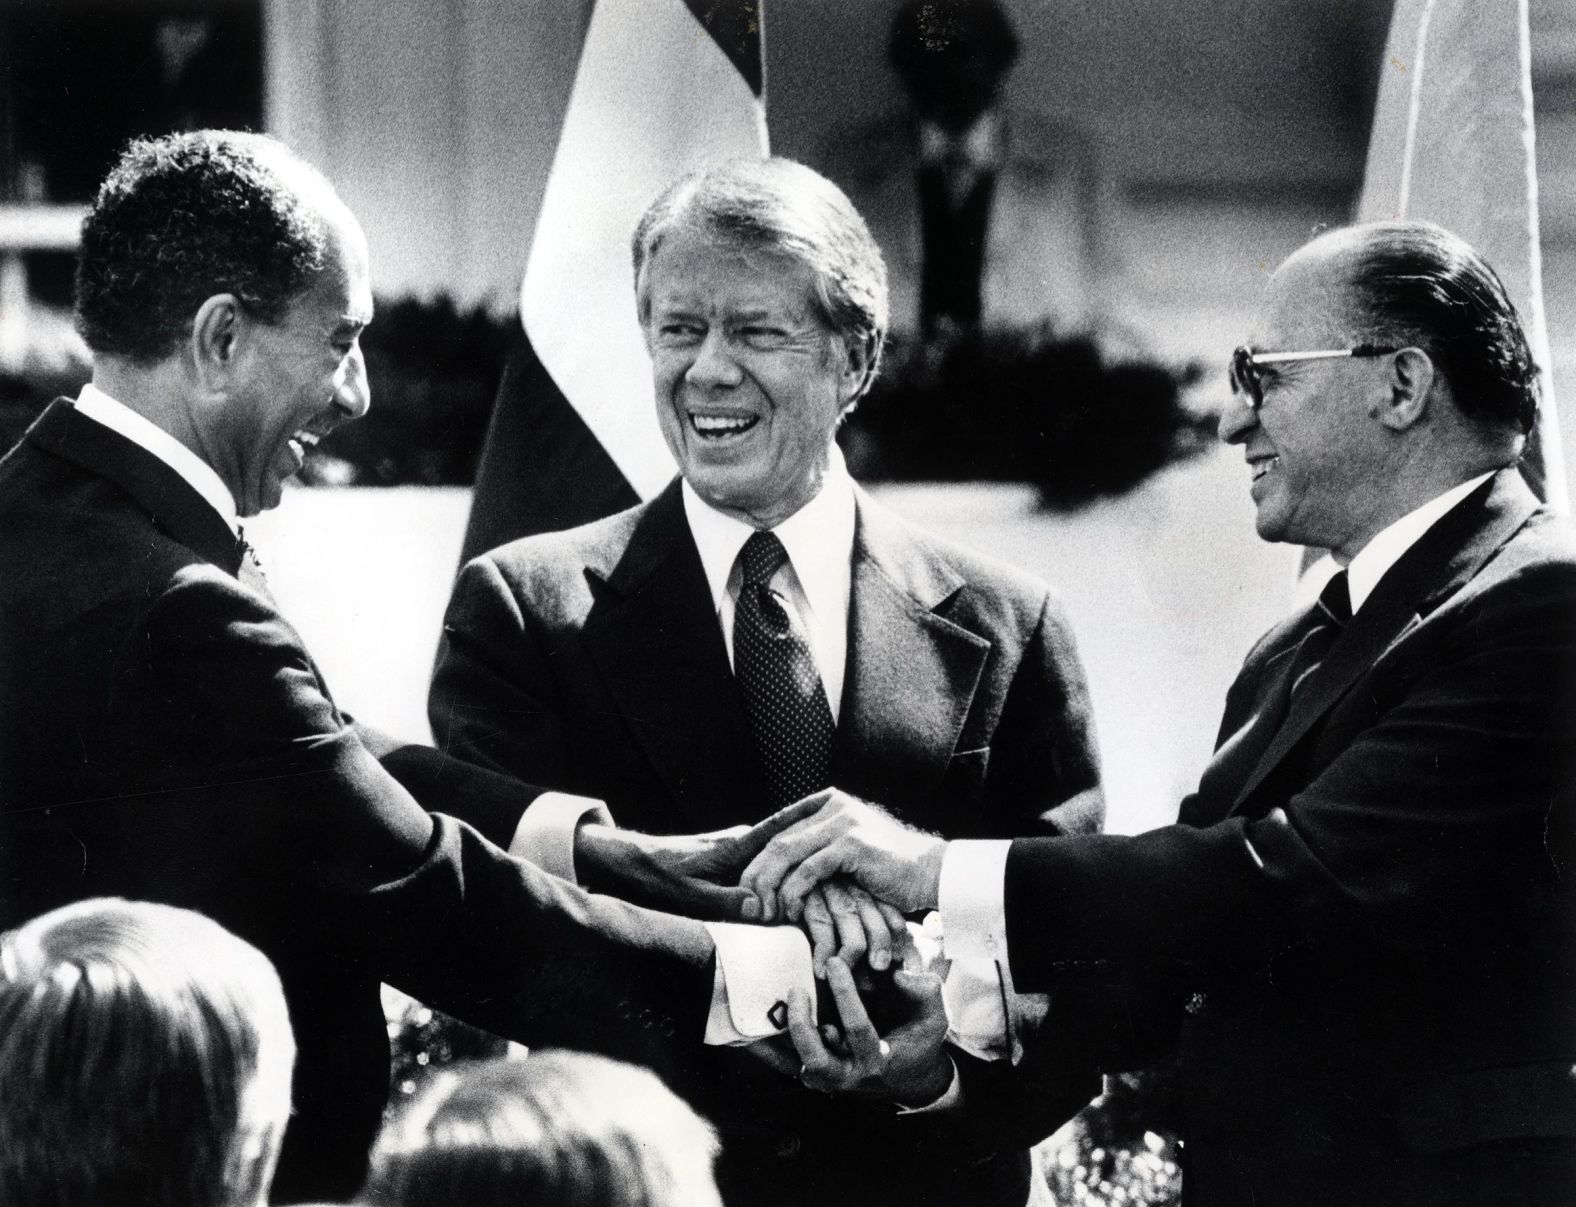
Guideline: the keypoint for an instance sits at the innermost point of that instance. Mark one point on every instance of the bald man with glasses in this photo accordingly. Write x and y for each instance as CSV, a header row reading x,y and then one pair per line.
x,y
1357,941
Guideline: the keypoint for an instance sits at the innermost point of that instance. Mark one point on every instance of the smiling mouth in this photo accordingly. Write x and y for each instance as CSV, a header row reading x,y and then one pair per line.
x,y
721,427
1263,465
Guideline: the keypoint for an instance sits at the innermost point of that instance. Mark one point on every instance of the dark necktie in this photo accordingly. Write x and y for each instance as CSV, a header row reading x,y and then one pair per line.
x,y
251,569
1240,753
1330,615
783,696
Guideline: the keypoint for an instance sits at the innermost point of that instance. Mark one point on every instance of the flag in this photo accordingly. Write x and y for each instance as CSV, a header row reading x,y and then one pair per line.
x,y
1452,143
663,87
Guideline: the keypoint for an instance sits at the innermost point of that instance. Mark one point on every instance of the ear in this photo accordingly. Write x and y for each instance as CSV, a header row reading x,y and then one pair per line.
x,y
217,331
1409,389
859,367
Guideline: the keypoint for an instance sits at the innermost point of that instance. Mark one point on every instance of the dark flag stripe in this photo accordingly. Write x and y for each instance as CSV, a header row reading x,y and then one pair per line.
x,y
541,469
735,25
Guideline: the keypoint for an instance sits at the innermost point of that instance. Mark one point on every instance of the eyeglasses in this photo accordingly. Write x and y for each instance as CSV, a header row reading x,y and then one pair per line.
x,y
1245,364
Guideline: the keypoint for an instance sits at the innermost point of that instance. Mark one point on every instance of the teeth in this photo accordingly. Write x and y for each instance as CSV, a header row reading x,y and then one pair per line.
x,y
1260,468
306,439
721,425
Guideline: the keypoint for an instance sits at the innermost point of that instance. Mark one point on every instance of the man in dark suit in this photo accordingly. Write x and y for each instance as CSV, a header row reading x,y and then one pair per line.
x,y
164,734
762,629
1355,940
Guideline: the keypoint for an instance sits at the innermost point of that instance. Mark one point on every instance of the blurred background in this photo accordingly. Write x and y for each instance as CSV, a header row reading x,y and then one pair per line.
x,y
1174,153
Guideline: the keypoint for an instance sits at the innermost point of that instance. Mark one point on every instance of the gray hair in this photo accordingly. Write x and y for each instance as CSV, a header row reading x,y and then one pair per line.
x,y
780,206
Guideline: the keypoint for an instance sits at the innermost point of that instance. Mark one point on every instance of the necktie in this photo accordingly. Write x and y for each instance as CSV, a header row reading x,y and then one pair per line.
x,y
251,569
1239,754
1330,615
783,696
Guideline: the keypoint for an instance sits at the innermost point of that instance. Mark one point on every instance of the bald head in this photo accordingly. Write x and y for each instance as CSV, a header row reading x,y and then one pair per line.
x,y
1416,284
1439,390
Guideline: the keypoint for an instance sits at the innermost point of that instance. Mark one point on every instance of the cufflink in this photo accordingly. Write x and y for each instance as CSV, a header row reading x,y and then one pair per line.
x,y
778,1015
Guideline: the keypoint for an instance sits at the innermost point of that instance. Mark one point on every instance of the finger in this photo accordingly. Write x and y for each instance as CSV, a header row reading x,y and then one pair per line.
x,y
716,903
905,952
765,872
850,925
820,1068
821,865
859,1032
878,934
897,925
822,931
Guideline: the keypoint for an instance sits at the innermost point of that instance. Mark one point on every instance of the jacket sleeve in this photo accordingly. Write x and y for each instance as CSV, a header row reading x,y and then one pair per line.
x,y
298,825
1425,831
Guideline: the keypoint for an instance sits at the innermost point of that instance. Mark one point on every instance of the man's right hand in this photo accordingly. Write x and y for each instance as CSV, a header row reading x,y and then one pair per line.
x,y
691,874
846,837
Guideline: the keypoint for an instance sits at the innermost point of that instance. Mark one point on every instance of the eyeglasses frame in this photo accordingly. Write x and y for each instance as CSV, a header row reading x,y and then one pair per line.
x,y
1245,358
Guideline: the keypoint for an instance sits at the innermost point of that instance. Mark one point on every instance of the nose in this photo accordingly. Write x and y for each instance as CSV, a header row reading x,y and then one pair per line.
x,y
352,394
714,365
1237,419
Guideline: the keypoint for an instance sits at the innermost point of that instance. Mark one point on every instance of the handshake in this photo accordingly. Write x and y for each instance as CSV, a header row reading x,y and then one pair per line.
x,y
847,873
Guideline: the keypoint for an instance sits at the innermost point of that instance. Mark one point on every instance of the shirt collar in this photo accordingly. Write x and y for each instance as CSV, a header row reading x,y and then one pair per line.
x,y
1386,548
819,538
149,436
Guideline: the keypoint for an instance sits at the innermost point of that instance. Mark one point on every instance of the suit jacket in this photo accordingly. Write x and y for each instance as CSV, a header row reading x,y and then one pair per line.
x,y
592,661
1356,939
164,736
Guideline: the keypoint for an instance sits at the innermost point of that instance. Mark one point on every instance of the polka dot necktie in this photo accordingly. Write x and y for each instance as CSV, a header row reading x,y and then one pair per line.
x,y
783,695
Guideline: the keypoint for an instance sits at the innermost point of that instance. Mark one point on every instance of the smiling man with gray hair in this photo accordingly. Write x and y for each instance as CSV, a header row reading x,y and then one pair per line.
x,y
763,629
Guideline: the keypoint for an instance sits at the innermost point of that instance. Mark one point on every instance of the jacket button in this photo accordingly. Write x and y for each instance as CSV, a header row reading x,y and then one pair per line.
x,y
788,1146
1195,1003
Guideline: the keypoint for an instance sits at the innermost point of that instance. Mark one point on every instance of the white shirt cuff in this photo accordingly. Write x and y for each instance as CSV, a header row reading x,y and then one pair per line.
x,y
972,899
756,967
546,833
971,990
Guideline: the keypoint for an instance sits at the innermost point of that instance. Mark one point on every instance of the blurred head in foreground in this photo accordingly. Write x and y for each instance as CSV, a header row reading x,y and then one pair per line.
x,y
560,1128
145,1058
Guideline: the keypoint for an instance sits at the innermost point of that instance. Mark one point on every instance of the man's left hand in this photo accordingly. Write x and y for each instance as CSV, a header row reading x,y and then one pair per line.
x,y
909,1065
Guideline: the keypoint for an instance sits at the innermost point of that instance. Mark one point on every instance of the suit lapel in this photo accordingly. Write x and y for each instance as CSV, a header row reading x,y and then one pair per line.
x,y
653,634
1442,560
175,508
911,672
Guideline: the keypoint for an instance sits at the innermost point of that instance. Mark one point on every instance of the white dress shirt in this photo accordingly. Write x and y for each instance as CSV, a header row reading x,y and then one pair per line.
x,y
756,966
974,872
815,584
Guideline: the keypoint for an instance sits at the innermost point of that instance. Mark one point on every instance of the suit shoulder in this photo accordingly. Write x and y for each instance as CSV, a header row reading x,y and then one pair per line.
x,y
983,589
597,544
